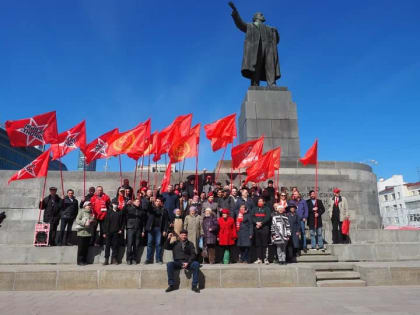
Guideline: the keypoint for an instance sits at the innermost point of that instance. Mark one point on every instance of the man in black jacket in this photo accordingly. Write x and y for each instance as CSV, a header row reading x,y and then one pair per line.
x,y
90,194
315,211
135,224
68,214
156,226
113,228
52,205
184,258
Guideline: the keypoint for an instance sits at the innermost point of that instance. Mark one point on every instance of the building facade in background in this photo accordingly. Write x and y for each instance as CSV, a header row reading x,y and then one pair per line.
x,y
15,158
91,167
399,202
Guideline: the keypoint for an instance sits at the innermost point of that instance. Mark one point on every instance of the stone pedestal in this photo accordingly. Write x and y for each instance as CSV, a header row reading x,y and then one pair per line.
x,y
272,113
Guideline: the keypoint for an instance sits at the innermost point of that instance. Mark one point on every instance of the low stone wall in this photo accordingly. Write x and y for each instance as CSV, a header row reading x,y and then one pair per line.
x,y
154,277
390,274
376,252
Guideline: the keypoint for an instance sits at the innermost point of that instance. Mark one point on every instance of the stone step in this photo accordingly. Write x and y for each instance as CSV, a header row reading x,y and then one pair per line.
x,y
316,258
341,283
333,267
336,275
316,252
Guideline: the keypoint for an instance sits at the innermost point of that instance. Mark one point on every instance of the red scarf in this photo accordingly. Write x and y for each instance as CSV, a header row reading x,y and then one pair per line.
x,y
121,202
239,219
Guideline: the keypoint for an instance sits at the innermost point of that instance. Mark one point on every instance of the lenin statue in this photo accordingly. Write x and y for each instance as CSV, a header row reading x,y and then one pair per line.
x,y
260,61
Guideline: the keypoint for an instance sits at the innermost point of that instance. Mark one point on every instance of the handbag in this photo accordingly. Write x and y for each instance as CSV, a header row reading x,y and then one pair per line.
x,y
345,228
200,243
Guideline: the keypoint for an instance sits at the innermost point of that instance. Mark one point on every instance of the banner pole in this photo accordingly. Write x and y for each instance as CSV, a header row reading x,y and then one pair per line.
x,y
134,181
119,158
61,176
196,169
42,197
148,172
84,177
141,170
220,164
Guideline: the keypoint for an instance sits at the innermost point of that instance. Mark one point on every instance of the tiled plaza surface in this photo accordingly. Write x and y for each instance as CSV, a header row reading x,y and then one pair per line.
x,y
367,300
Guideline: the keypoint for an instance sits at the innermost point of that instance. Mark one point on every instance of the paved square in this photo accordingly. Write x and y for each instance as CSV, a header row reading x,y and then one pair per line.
x,y
367,300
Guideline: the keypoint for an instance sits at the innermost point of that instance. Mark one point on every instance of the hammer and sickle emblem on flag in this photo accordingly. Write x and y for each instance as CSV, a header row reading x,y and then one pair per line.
x,y
181,151
124,143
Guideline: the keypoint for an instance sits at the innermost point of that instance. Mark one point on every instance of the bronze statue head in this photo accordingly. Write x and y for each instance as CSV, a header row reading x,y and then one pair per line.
x,y
258,16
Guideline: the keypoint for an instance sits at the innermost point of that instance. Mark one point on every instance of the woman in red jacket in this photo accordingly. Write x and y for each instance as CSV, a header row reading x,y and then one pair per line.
x,y
227,234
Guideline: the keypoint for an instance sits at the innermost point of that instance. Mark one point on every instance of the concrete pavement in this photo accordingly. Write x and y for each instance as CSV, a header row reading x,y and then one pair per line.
x,y
367,300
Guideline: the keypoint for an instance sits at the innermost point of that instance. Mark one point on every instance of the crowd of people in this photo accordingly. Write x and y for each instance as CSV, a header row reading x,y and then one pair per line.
x,y
224,224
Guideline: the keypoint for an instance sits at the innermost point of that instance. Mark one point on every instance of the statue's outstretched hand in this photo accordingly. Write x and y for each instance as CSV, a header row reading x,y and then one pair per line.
x,y
232,6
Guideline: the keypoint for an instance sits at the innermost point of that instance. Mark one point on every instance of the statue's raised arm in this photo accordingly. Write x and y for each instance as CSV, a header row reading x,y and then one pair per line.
x,y
236,18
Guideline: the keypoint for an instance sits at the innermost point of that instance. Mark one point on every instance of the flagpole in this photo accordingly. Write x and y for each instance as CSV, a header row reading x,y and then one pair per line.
x,y
119,158
183,167
148,172
84,177
179,171
141,170
156,171
220,164
42,196
196,169
134,181
231,168
61,176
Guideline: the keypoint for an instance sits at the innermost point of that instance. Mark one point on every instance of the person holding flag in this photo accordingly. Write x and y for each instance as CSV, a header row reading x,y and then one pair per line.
x,y
315,210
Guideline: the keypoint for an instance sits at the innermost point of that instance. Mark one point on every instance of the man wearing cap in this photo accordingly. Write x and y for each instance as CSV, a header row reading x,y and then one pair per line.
x,y
184,258
338,211
52,205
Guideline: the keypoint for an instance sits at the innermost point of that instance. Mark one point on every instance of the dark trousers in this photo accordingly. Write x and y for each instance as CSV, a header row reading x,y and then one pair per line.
x,y
65,231
53,232
94,227
112,240
133,243
82,249
176,265
244,252
261,241
337,237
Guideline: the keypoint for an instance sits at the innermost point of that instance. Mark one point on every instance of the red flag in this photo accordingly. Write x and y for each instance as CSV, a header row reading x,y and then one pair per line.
x,y
264,168
70,140
178,128
97,148
29,132
246,153
185,147
311,156
152,148
166,179
37,168
132,141
221,132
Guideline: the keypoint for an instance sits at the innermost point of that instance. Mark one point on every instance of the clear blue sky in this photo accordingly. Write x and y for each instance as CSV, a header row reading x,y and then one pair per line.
x,y
353,69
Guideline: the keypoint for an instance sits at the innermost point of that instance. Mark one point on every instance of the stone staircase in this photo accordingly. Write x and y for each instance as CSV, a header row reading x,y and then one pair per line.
x,y
338,275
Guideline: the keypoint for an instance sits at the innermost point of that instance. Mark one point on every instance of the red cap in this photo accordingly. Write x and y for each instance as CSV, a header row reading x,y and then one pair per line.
x,y
225,211
336,191
210,194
